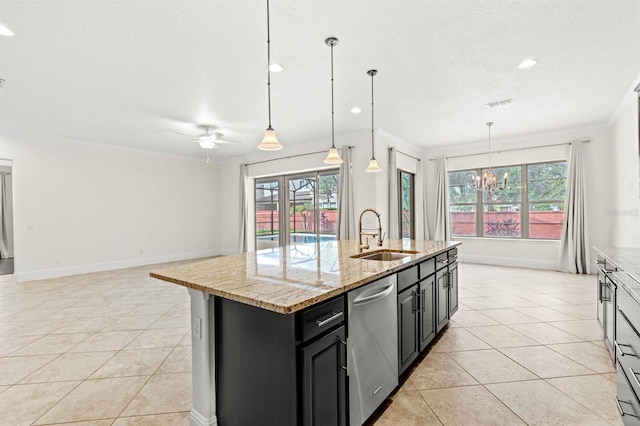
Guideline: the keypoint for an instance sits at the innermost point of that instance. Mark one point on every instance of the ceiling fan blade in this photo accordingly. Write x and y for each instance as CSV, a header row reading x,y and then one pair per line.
x,y
184,134
225,141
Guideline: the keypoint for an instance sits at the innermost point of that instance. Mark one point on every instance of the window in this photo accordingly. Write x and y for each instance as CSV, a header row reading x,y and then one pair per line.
x,y
531,206
308,213
406,206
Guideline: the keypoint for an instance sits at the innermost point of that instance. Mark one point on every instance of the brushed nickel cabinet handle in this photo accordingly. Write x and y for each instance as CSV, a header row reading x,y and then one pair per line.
x,y
622,413
617,345
635,376
334,316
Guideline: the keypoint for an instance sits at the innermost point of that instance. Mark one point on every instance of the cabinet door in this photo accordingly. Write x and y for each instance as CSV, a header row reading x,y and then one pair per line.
x,y
442,294
324,390
609,314
453,288
407,327
426,313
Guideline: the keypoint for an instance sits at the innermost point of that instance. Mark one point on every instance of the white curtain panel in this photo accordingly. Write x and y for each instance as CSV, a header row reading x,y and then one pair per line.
x,y
346,213
394,214
442,220
6,227
574,244
244,208
422,226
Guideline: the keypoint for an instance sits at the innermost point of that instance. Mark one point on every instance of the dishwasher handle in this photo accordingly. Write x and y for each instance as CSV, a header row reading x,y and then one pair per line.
x,y
374,297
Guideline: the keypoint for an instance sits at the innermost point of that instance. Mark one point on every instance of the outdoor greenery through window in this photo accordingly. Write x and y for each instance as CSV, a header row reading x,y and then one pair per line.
x,y
307,212
531,206
406,204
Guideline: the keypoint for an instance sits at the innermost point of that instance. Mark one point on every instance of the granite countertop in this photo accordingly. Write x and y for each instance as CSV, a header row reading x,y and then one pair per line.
x,y
291,278
627,259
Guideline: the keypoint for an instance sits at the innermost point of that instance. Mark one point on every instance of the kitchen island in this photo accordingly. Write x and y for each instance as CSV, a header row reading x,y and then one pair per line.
x,y
259,321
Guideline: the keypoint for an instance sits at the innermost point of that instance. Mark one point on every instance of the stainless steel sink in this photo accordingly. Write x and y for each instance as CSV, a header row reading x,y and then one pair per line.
x,y
385,255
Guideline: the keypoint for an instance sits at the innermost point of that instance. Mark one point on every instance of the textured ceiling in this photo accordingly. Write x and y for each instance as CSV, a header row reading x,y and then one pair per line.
x,y
133,72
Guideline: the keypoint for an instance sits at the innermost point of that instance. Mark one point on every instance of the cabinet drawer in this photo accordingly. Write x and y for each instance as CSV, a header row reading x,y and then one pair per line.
x,y
427,268
442,260
627,343
453,255
626,399
407,278
321,318
629,307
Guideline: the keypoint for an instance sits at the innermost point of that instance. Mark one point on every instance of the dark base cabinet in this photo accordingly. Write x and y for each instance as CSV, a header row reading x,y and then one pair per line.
x,y
324,385
275,369
427,298
427,313
442,295
407,327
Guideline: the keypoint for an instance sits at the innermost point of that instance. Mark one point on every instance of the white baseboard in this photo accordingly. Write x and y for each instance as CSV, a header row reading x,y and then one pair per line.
x,y
64,271
517,262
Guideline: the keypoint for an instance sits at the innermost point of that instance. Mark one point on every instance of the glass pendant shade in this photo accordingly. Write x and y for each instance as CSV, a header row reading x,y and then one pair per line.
x,y
333,157
270,142
373,166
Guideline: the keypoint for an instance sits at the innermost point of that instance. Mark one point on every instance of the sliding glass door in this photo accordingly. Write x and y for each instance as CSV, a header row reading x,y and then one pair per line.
x,y
309,211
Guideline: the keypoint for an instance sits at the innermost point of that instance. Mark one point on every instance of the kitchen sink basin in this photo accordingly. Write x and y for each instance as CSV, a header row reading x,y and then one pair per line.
x,y
385,255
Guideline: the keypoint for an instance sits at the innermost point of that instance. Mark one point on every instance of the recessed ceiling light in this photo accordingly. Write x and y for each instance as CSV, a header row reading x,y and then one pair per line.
x,y
527,63
355,110
6,31
275,67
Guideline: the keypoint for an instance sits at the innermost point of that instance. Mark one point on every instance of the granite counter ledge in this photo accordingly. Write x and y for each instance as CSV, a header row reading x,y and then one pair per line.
x,y
289,279
627,259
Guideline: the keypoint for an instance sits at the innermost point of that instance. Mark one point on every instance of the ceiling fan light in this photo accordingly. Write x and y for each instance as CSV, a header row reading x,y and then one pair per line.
x,y
373,166
4,31
270,142
207,144
333,157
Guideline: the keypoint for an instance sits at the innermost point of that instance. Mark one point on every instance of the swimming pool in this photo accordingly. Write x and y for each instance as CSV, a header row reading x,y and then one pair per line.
x,y
299,238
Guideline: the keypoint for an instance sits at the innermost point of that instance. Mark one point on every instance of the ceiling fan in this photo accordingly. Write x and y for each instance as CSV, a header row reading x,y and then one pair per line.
x,y
209,139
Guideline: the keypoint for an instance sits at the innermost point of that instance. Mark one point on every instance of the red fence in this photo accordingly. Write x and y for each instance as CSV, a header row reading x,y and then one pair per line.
x,y
542,225
300,221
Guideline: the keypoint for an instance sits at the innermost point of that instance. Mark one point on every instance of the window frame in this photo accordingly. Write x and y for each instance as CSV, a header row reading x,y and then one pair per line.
x,y
525,203
283,202
412,206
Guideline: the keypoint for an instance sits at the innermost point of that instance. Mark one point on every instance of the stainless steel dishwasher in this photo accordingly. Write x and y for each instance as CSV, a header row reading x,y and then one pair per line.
x,y
372,347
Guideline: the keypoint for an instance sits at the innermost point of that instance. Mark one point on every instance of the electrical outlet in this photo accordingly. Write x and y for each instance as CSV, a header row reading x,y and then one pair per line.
x,y
196,327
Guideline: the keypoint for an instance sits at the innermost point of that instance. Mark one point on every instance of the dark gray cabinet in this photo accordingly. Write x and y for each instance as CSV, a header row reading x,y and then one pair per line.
x,y
324,388
442,297
408,348
275,369
453,288
426,314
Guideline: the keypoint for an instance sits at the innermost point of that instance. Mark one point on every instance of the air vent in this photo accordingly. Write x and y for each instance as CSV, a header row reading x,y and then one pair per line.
x,y
501,103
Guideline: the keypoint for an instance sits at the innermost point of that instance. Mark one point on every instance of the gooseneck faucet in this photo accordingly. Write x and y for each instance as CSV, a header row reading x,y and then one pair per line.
x,y
378,234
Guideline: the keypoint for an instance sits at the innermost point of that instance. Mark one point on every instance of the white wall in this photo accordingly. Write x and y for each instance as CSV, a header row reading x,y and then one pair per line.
x,y
533,253
83,207
623,215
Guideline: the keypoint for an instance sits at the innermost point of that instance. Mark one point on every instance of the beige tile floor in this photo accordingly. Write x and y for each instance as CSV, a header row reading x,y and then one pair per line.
x,y
524,348
113,348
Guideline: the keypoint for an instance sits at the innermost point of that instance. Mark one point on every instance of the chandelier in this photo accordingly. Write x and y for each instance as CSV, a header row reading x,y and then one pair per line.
x,y
489,180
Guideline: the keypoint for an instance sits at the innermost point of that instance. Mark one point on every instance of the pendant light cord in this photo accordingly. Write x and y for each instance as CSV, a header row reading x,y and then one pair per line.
x,y
269,65
333,145
372,131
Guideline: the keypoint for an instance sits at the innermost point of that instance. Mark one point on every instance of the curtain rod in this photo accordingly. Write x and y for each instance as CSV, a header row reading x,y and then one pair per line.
x,y
289,156
404,153
510,149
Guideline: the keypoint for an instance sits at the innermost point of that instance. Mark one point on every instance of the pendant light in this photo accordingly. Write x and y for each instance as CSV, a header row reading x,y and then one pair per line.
x,y
333,157
373,164
489,180
269,142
